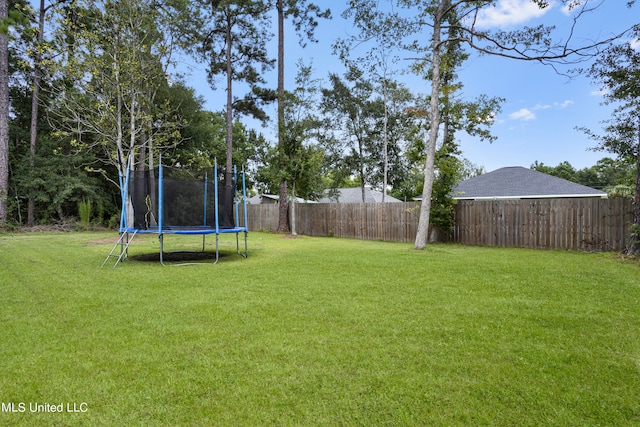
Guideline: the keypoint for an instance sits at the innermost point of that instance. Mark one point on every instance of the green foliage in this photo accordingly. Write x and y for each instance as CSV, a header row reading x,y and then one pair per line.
x,y
19,15
635,232
233,43
203,140
84,212
352,134
448,176
612,176
112,96
57,182
564,170
100,211
297,159
617,70
304,17
409,188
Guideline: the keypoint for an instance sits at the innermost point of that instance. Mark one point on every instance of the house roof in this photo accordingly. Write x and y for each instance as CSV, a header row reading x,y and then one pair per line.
x,y
517,182
354,195
272,198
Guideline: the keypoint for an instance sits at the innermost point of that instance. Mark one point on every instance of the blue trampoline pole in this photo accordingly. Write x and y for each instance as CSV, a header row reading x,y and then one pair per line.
x,y
244,200
123,196
124,226
160,205
246,217
204,218
215,196
160,198
206,186
215,204
236,221
235,202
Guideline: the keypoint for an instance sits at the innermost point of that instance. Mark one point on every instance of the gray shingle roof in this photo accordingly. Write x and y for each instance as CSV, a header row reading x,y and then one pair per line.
x,y
517,182
272,198
354,195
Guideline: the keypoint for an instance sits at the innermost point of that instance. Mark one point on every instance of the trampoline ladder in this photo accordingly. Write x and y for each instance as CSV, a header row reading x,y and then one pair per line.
x,y
123,243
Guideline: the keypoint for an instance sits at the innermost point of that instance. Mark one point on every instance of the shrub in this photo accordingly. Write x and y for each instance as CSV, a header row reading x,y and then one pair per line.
x,y
84,212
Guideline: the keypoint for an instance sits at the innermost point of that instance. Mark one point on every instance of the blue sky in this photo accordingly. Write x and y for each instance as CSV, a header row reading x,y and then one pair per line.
x,y
542,109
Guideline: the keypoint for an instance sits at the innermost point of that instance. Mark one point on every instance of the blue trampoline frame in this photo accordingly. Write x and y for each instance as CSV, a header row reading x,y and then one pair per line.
x,y
127,233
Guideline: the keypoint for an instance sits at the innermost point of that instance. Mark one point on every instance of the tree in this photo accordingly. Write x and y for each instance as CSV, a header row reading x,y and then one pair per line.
x,y
300,163
612,173
352,116
304,16
375,62
110,77
398,129
454,21
298,159
564,170
30,172
616,177
35,99
235,46
617,69
4,109
388,167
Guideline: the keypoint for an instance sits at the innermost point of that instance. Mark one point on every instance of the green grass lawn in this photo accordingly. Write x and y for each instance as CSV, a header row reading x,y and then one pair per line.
x,y
316,331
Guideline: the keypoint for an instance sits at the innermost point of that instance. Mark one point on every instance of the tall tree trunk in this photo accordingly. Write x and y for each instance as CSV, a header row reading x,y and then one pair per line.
x,y
4,115
385,140
361,168
422,235
283,213
283,217
293,209
228,173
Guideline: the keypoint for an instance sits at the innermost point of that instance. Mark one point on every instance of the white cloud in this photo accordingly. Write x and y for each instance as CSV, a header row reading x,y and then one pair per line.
x,y
563,104
557,105
600,92
523,114
510,12
541,107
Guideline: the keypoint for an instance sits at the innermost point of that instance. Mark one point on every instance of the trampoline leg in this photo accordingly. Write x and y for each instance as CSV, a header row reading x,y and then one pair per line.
x,y
246,250
161,249
124,250
217,253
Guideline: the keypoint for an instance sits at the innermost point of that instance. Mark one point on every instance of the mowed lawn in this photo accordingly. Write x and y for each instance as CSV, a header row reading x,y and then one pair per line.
x,y
315,331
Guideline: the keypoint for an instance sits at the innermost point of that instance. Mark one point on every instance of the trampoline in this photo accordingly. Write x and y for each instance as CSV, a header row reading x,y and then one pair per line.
x,y
166,201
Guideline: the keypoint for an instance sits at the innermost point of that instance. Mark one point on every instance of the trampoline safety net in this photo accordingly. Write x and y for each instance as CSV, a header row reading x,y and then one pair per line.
x,y
187,201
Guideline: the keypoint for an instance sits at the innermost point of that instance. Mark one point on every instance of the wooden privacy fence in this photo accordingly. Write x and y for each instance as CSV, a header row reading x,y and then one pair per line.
x,y
397,222
574,224
584,224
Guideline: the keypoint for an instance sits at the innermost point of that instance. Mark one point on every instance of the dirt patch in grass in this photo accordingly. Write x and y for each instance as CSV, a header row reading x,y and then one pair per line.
x,y
112,240
291,236
106,240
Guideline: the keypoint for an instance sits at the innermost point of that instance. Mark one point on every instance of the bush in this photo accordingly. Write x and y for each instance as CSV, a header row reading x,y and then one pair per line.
x,y
84,211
